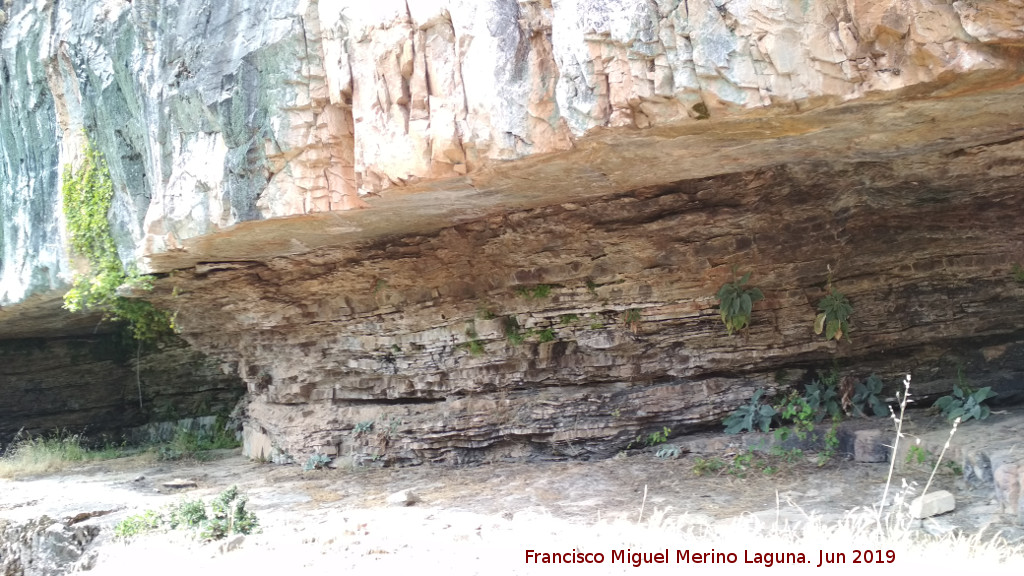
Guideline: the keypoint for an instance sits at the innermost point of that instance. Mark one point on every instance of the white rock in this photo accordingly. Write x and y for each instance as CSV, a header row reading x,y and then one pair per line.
x,y
403,498
932,504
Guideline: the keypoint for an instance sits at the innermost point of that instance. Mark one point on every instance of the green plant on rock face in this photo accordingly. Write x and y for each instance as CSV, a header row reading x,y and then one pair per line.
x,y
965,403
513,331
546,335
866,396
736,302
751,416
1018,273
631,319
473,342
363,427
567,319
87,195
652,439
835,310
655,438
537,292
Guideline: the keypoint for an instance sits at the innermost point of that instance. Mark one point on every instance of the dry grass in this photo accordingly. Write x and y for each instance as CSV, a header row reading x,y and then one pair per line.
x,y
32,456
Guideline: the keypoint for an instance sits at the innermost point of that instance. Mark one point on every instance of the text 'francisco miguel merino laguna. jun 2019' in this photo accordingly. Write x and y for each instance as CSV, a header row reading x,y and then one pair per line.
x,y
764,558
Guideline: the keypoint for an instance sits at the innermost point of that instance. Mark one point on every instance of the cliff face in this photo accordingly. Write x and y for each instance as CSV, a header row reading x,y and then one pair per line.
x,y
441,161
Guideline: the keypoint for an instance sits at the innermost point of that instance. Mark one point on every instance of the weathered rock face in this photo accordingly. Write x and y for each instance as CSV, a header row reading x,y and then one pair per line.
x,y
625,155
412,333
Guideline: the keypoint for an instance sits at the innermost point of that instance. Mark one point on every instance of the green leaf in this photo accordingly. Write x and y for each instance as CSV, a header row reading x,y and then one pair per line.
x,y
831,329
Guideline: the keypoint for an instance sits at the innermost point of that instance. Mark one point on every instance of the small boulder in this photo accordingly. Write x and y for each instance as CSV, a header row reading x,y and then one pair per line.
x,y
403,498
932,504
870,446
1007,480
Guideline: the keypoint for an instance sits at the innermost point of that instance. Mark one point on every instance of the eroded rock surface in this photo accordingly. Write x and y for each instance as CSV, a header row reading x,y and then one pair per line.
x,y
625,155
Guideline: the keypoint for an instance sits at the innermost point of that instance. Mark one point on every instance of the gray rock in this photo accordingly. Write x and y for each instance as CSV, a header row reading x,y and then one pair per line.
x,y
870,446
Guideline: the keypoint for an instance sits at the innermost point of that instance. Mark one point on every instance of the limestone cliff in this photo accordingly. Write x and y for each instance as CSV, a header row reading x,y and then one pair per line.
x,y
440,161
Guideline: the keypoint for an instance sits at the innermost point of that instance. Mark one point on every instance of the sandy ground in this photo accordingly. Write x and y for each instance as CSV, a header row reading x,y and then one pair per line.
x,y
484,519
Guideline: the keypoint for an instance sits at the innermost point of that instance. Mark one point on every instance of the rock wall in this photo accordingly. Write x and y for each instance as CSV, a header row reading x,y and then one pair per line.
x,y
402,349
337,197
97,385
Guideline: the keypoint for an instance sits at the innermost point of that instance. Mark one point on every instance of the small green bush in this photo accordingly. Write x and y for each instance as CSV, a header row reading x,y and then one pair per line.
x,y
965,403
317,461
751,416
867,395
537,292
736,302
226,515
132,526
189,444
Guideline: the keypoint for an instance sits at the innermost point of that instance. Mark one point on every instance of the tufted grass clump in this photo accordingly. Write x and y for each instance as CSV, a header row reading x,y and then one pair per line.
x,y
31,455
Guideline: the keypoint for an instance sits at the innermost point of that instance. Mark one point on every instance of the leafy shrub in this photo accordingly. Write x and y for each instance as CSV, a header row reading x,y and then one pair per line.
x,y
867,396
652,439
796,410
702,466
188,514
824,400
736,302
226,515
192,444
965,403
667,451
138,524
751,416
803,412
317,461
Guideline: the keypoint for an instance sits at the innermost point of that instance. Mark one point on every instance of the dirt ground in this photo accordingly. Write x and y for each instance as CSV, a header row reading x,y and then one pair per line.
x,y
483,519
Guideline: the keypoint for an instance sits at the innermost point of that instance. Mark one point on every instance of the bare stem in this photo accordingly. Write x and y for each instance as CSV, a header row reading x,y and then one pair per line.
x,y
895,445
939,461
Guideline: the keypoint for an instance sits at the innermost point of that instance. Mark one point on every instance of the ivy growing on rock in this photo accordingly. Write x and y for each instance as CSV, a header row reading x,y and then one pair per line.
x,y
87,194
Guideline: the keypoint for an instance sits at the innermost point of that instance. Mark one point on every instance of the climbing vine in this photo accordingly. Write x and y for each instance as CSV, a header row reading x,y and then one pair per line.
x,y
88,193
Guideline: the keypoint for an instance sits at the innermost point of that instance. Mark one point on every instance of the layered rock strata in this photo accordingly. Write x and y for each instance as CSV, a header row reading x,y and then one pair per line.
x,y
99,385
408,347
579,175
